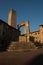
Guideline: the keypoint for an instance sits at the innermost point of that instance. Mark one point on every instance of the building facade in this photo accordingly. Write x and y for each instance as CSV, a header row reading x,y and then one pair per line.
x,y
8,34
37,36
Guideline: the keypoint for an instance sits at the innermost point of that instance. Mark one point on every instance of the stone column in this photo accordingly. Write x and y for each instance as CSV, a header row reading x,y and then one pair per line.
x,y
27,31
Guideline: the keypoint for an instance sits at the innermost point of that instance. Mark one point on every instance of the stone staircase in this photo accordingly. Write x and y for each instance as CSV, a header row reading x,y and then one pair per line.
x,y
20,46
12,46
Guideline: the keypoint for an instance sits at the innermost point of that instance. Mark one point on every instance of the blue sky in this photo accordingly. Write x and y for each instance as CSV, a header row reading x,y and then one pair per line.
x,y
31,10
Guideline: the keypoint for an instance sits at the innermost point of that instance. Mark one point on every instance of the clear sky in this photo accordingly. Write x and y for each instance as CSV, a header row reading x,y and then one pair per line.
x,y
31,10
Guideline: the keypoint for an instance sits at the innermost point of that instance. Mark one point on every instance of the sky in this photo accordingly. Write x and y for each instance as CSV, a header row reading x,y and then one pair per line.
x,y
27,10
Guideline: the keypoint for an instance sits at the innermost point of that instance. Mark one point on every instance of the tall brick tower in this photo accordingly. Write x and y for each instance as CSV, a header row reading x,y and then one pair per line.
x,y
12,18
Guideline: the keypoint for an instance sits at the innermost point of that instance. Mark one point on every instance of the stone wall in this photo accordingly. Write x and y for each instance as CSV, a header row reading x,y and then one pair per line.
x,y
9,34
22,39
35,36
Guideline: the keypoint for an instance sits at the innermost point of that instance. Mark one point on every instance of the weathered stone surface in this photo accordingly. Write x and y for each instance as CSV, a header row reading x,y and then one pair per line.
x,y
21,46
26,31
12,18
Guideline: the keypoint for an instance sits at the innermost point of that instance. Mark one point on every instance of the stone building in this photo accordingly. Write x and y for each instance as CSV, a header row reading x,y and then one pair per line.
x,y
7,34
37,36
34,36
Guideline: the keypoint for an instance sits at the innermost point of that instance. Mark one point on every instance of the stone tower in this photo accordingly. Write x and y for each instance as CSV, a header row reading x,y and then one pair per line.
x,y
12,18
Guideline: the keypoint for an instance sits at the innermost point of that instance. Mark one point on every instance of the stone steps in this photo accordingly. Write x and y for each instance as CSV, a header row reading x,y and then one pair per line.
x,y
11,46
20,46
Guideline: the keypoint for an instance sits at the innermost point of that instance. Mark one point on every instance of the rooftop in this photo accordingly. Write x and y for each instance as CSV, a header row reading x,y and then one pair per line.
x,y
1,21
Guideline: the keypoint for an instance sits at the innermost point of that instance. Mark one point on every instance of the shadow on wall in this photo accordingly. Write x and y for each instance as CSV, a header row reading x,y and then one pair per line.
x,y
38,60
6,42
31,38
